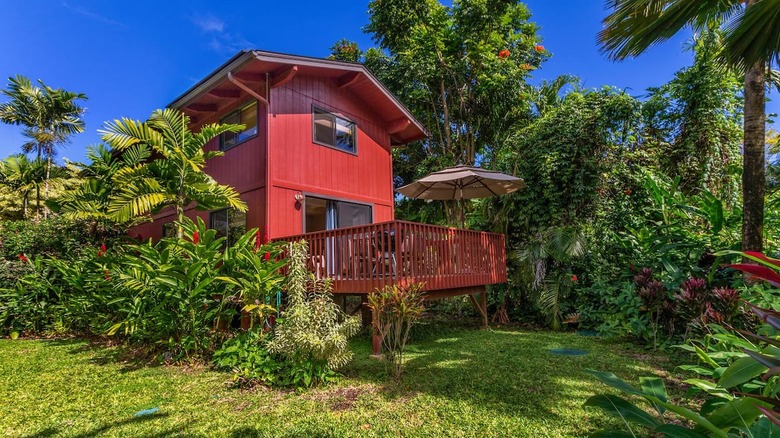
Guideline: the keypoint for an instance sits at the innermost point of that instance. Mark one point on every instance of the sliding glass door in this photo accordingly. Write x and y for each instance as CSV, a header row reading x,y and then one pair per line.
x,y
329,214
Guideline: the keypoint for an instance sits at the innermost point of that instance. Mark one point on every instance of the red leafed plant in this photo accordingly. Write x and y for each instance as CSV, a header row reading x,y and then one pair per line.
x,y
766,270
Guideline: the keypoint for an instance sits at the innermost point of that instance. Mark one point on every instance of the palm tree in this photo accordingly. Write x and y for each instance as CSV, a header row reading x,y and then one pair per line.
x,y
752,42
174,176
91,198
23,176
49,117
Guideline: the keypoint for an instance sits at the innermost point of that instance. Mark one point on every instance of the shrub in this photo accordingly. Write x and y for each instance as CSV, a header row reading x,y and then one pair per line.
x,y
168,294
313,331
395,310
54,237
247,356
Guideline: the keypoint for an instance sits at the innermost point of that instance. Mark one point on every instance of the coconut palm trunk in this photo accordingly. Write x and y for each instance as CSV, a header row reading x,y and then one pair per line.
x,y
754,168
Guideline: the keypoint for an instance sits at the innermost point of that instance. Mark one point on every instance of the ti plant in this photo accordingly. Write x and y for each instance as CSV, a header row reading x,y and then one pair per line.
x,y
733,409
396,309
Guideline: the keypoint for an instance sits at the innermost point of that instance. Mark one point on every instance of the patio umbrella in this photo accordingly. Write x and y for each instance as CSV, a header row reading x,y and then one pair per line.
x,y
462,182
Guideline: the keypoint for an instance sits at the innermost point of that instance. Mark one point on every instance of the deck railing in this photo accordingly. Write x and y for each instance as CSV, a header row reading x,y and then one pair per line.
x,y
362,258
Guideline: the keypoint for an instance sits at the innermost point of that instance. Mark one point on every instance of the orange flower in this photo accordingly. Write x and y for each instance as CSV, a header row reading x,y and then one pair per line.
x,y
526,66
504,54
539,48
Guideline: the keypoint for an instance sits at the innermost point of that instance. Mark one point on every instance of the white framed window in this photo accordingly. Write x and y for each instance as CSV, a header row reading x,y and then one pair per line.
x,y
334,131
247,116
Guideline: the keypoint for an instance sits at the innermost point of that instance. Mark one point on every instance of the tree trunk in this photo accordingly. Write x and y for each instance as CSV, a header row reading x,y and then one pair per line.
x,y
754,169
180,216
46,186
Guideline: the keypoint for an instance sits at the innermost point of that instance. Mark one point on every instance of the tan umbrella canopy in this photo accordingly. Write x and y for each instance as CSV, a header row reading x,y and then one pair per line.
x,y
462,182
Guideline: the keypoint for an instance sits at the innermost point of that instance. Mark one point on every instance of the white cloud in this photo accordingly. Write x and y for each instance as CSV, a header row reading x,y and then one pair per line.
x,y
209,23
89,14
221,40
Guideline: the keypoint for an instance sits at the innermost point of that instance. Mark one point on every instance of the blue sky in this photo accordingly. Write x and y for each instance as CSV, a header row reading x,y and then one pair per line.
x,y
130,58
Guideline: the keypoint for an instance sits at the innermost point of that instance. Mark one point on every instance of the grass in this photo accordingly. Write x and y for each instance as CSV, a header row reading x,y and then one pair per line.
x,y
458,382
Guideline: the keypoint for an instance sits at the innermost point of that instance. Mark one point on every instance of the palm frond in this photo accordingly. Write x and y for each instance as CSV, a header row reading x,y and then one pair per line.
x,y
636,25
754,37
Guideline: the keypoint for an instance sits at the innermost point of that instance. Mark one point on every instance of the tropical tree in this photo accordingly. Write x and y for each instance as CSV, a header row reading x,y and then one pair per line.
x,y
694,123
461,69
23,176
174,175
49,116
97,186
752,41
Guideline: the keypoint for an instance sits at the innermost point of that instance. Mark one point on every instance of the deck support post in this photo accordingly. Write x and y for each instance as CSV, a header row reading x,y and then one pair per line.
x,y
481,306
376,340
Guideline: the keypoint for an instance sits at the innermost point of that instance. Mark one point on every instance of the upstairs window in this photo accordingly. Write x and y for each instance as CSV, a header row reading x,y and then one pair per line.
x,y
334,131
247,116
228,223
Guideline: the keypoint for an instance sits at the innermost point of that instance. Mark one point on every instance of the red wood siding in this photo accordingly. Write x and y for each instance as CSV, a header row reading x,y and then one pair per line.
x,y
298,165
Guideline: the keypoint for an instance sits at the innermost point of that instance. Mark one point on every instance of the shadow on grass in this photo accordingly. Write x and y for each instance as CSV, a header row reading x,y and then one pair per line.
x,y
103,352
51,431
507,371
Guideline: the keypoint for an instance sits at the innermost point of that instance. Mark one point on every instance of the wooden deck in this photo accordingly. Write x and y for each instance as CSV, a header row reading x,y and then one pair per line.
x,y
363,258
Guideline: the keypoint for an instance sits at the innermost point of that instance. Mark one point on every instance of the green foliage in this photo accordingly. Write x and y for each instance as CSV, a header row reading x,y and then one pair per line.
x,y
567,155
175,176
165,296
246,355
54,237
733,416
313,331
91,198
395,311
254,274
49,118
695,122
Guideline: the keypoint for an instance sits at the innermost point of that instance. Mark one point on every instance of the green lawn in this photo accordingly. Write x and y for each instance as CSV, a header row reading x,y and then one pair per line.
x,y
459,382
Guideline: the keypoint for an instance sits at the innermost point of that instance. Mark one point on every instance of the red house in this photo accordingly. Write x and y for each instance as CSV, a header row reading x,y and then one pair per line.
x,y
315,162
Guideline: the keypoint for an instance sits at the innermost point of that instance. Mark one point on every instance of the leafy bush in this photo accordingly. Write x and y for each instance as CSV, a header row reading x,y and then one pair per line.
x,y
53,237
247,356
168,294
313,331
395,310
740,373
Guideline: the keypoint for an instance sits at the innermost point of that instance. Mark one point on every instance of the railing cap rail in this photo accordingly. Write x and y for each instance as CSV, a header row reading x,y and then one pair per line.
x,y
357,228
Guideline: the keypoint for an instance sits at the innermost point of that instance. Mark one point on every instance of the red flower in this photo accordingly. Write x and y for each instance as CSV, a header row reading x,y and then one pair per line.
x,y
627,192
267,256
504,54
258,239
107,275
574,278
539,48
195,237
103,247
23,259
